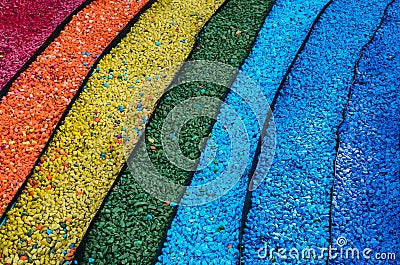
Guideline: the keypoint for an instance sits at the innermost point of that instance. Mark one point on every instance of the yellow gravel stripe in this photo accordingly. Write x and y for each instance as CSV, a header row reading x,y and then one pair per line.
x,y
53,213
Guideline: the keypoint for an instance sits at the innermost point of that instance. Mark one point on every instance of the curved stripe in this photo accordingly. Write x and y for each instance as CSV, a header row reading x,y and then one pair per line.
x,y
366,203
290,209
86,153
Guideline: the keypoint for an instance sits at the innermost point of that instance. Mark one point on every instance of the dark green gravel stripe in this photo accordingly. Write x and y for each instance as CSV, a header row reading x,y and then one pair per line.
x,y
132,223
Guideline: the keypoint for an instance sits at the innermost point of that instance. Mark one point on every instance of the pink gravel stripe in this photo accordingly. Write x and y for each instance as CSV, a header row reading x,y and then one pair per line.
x,y
24,27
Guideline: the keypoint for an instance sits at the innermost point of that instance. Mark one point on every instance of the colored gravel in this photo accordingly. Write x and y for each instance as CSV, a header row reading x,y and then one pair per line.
x,y
210,232
291,207
24,27
82,161
39,97
123,232
367,184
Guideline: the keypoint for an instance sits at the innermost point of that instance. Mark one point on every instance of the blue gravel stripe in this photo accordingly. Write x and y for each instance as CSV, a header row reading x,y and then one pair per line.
x,y
367,182
291,207
209,234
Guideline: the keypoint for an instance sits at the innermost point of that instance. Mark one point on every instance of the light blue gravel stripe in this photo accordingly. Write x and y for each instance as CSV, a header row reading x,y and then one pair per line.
x,y
367,182
209,234
291,207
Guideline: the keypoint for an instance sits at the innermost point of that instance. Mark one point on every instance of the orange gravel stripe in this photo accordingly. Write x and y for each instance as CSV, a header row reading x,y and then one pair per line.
x,y
38,98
